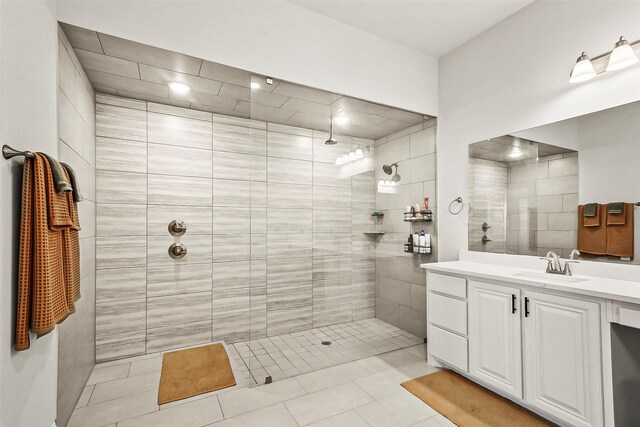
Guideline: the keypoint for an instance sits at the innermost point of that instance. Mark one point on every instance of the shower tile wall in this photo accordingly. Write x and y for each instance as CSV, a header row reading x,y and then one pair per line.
x,y
488,198
274,238
542,205
400,282
76,147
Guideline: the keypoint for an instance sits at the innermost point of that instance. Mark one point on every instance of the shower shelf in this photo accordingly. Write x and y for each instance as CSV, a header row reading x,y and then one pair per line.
x,y
425,216
420,250
374,233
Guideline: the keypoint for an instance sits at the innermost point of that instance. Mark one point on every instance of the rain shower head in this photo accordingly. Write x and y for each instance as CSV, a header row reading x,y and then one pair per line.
x,y
331,140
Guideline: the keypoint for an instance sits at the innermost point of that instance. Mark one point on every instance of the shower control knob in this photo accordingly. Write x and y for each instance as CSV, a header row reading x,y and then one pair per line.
x,y
177,250
177,228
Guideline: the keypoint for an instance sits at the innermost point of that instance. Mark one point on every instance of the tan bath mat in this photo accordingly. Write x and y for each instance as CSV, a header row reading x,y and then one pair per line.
x,y
194,371
467,404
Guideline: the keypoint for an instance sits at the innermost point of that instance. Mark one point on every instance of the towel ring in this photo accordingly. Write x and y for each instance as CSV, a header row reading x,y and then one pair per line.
x,y
456,200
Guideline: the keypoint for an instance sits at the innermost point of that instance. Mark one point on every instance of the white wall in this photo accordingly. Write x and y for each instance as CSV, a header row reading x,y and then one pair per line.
x,y
610,155
274,38
562,134
609,159
514,77
28,60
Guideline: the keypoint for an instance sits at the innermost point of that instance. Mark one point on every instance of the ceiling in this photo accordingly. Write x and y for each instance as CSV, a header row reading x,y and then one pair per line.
x,y
435,27
503,149
121,67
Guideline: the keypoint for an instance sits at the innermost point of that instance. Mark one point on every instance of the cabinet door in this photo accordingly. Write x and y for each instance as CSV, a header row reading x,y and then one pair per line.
x,y
495,346
562,358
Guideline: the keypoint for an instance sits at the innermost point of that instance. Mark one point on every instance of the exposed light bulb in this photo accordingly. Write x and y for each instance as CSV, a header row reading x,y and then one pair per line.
x,y
387,182
583,70
179,87
339,161
622,56
381,182
352,156
359,153
345,158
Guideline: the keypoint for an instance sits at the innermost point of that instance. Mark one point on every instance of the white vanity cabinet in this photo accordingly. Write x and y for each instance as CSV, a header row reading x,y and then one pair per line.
x,y
495,344
540,348
562,360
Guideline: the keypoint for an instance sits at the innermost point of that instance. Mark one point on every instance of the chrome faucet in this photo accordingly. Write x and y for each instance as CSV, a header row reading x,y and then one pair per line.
x,y
554,265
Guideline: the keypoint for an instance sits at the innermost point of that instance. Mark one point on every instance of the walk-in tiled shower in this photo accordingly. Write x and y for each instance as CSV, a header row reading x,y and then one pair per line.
x,y
225,211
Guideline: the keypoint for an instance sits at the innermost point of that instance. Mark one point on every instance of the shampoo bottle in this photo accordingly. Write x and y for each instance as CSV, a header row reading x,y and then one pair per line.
x,y
422,240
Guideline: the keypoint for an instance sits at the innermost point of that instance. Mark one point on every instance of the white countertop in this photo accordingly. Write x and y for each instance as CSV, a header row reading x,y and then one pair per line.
x,y
613,289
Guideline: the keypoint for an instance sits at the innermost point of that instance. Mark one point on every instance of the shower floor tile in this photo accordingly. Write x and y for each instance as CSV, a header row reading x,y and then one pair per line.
x,y
297,353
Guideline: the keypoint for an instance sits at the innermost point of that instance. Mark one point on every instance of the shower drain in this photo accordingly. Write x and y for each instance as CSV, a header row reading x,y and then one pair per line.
x,y
326,343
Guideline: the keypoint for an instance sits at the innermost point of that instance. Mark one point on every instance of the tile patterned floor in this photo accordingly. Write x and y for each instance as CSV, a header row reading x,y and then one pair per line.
x,y
354,382
297,353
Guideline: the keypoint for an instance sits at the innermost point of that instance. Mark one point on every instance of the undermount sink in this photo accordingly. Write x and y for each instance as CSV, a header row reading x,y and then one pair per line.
x,y
549,277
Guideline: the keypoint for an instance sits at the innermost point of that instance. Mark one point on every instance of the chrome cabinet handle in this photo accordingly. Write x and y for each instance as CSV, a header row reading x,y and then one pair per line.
x,y
177,227
177,250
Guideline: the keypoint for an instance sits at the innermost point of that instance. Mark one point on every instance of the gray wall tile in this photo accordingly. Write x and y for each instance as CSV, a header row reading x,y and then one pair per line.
x,y
182,161
121,187
178,309
269,228
179,131
121,284
178,190
121,155
121,123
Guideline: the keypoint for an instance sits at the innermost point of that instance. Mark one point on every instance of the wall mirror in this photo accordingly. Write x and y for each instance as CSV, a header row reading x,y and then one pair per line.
x,y
526,188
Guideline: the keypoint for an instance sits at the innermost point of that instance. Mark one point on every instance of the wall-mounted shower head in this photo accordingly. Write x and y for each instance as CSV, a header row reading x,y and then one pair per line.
x,y
331,140
388,169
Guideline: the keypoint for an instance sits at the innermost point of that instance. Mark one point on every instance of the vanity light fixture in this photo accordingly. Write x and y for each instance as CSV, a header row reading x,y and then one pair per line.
x,y
352,156
387,186
583,70
255,85
179,87
622,56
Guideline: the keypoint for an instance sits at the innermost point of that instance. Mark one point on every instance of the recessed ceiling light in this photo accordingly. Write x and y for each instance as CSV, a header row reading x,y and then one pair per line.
x,y
179,87
255,85
515,153
341,119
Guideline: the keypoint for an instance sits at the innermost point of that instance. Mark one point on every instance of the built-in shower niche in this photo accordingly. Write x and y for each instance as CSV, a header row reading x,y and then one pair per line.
x,y
515,197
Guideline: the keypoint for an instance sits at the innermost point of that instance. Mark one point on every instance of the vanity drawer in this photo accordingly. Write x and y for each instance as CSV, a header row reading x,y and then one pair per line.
x,y
448,313
448,347
449,285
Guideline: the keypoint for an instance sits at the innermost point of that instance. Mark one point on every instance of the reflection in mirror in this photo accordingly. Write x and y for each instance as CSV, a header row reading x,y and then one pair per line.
x,y
523,197
535,191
